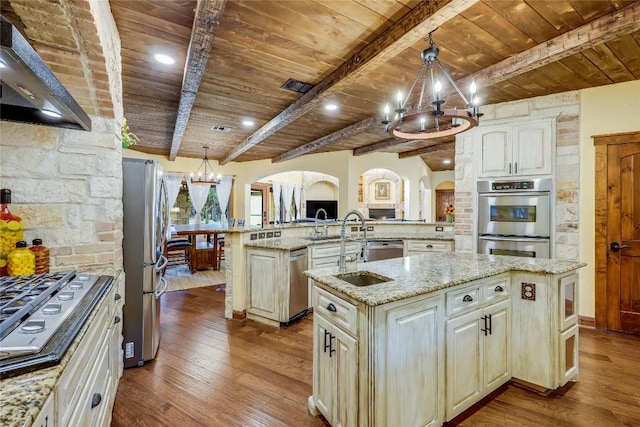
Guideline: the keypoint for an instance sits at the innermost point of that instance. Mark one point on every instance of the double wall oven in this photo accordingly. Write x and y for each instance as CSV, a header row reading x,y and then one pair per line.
x,y
514,217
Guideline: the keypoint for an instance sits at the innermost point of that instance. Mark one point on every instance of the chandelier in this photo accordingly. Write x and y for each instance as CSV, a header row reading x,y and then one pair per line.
x,y
428,120
204,175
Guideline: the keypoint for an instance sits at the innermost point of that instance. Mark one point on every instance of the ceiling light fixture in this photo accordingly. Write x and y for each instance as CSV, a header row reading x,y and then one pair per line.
x,y
164,59
447,161
248,123
331,107
204,175
430,120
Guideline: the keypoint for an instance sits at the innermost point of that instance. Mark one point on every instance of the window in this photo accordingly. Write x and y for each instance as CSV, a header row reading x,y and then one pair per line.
x,y
183,212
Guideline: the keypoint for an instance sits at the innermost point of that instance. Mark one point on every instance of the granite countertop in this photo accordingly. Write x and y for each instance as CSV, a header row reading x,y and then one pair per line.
x,y
22,396
425,273
293,243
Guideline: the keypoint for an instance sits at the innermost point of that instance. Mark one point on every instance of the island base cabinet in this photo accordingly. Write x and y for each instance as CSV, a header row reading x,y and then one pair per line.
x,y
477,355
335,375
409,379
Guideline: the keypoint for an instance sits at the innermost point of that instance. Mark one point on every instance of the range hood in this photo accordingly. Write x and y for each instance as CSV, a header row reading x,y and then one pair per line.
x,y
29,89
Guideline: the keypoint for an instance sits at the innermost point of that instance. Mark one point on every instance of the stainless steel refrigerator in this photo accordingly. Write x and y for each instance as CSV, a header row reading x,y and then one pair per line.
x,y
146,214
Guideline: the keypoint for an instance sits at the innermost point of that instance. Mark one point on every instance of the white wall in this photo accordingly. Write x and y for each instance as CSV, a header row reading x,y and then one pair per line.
x,y
604,110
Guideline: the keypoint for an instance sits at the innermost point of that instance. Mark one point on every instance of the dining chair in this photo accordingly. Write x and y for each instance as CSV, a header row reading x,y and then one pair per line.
x,y
178,252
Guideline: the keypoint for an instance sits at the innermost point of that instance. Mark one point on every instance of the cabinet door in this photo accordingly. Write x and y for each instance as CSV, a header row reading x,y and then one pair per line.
x,y
335,376
464,361
46,416
264,296
409,386
497,346
345,362
495,152
532,145
324,381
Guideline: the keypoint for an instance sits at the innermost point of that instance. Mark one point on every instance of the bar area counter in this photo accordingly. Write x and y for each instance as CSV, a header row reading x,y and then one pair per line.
x,y
416,341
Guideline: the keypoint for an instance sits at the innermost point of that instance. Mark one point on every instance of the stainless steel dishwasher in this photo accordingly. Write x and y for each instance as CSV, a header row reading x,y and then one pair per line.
x,y
384,249
298,285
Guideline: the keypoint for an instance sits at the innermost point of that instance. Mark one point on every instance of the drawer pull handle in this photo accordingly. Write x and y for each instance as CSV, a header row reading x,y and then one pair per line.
x,y
467,298
116,320
430,246
499,289
95,400
331,307
117,297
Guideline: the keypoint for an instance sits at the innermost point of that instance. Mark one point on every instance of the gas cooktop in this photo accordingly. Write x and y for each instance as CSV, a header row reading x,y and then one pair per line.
x,y
41,314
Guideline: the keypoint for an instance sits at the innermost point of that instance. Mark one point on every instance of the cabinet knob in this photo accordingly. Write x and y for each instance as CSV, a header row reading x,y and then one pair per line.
x,y
95,400
117,297
331,307
429,246
116,320
499,289
467,298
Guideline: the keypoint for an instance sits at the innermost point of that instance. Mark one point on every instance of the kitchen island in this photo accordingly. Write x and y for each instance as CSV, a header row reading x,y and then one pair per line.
x,y
418,340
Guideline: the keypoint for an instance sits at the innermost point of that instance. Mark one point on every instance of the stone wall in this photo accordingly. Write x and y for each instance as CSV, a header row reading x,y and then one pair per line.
x,y
566,108
67,188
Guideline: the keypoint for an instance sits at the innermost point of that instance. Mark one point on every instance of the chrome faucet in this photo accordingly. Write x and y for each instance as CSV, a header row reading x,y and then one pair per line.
x,y
342,262
325,231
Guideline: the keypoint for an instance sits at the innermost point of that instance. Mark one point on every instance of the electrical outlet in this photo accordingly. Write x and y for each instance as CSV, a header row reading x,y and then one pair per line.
x,y
253,236
528,291
369,227
439,228
277,233
261,235
269,234
354,228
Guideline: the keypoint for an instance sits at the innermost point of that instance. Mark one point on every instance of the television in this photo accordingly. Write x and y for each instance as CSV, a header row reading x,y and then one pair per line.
x,y
331,206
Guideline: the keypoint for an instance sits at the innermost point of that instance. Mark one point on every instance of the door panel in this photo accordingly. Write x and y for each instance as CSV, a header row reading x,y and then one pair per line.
x,y
618,241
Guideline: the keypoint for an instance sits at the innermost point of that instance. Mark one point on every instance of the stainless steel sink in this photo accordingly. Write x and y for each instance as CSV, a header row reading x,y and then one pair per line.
x,y
362,278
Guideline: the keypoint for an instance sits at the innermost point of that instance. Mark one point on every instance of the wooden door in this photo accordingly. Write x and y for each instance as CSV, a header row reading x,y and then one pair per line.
x,y
444,198
618,232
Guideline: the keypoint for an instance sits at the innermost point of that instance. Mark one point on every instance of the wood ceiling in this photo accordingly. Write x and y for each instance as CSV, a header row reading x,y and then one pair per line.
x,y
236,55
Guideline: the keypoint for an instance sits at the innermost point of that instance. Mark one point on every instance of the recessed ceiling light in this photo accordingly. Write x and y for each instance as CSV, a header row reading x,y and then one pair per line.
x,y
164,59
331,107
52,113
446,161
248,123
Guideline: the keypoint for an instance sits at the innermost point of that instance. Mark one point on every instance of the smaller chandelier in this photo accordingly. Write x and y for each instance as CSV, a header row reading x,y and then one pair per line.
x,y
204,175
430,120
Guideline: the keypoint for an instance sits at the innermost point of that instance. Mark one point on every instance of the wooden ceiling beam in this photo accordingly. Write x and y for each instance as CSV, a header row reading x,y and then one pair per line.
x,y
609,27
205,25
328,139
381,145
411,28
604,29
430,149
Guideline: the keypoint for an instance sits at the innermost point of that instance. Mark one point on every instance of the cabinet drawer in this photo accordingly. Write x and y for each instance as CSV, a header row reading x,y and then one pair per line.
x,y
496,290
460,301
328,250
339,311
428,246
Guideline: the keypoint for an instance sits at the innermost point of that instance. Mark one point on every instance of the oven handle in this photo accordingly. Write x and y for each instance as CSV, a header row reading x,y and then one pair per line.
x,y
509,193
515,239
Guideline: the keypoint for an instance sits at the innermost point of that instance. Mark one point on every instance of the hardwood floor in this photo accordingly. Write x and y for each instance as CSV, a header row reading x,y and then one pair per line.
x,y
213,372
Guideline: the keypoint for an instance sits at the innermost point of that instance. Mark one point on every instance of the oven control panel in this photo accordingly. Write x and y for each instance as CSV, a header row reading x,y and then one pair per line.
x,y
512,185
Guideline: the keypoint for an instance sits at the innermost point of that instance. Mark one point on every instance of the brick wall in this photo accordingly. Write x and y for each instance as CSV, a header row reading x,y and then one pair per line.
x,y
566,108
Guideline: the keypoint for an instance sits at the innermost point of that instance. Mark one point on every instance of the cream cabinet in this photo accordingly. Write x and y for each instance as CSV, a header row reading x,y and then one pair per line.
x,y
366,355
327,254
419,246
522,149
478,333
545,350
86,390
267,285
335,359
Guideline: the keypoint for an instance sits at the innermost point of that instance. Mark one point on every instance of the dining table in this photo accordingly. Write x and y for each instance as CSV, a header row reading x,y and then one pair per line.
x,y
192,231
